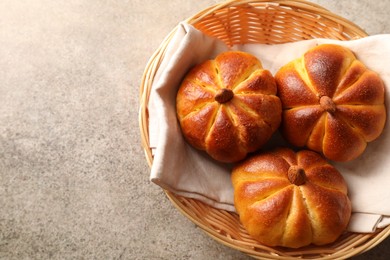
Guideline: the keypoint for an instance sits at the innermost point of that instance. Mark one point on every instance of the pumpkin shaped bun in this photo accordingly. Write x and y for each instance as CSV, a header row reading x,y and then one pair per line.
x,y
291,199
331,102
228,106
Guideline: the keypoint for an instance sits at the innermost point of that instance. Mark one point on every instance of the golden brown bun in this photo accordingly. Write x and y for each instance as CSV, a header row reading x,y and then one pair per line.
x,y
331,102
228,106
277,212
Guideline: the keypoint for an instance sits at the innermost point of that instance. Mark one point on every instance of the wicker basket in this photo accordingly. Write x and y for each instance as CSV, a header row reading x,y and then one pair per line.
x,y
270,22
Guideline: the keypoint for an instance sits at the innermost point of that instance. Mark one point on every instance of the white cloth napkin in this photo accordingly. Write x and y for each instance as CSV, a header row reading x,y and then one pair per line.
x,y
188,172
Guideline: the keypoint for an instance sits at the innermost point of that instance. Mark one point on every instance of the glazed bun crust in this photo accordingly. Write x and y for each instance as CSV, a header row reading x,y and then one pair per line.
x,y
331,102
291,199
228,106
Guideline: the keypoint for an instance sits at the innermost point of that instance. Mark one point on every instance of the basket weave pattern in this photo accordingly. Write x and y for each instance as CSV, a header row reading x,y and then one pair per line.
x,y
267,22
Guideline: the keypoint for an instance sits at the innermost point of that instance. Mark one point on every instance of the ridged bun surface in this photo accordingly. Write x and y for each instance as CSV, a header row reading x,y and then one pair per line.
x,y
331,102
291,199
228,106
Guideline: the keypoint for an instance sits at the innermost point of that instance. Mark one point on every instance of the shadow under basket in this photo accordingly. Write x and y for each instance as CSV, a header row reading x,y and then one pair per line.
x,y
267,22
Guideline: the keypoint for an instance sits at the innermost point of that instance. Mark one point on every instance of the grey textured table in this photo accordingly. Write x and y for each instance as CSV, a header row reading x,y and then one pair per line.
x,y
73,177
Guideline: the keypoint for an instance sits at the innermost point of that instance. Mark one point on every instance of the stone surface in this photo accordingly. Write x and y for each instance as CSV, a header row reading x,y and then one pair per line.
x,y
73,177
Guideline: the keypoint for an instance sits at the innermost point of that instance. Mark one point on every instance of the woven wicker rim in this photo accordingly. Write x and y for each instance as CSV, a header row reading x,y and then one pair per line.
x,y
269,22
